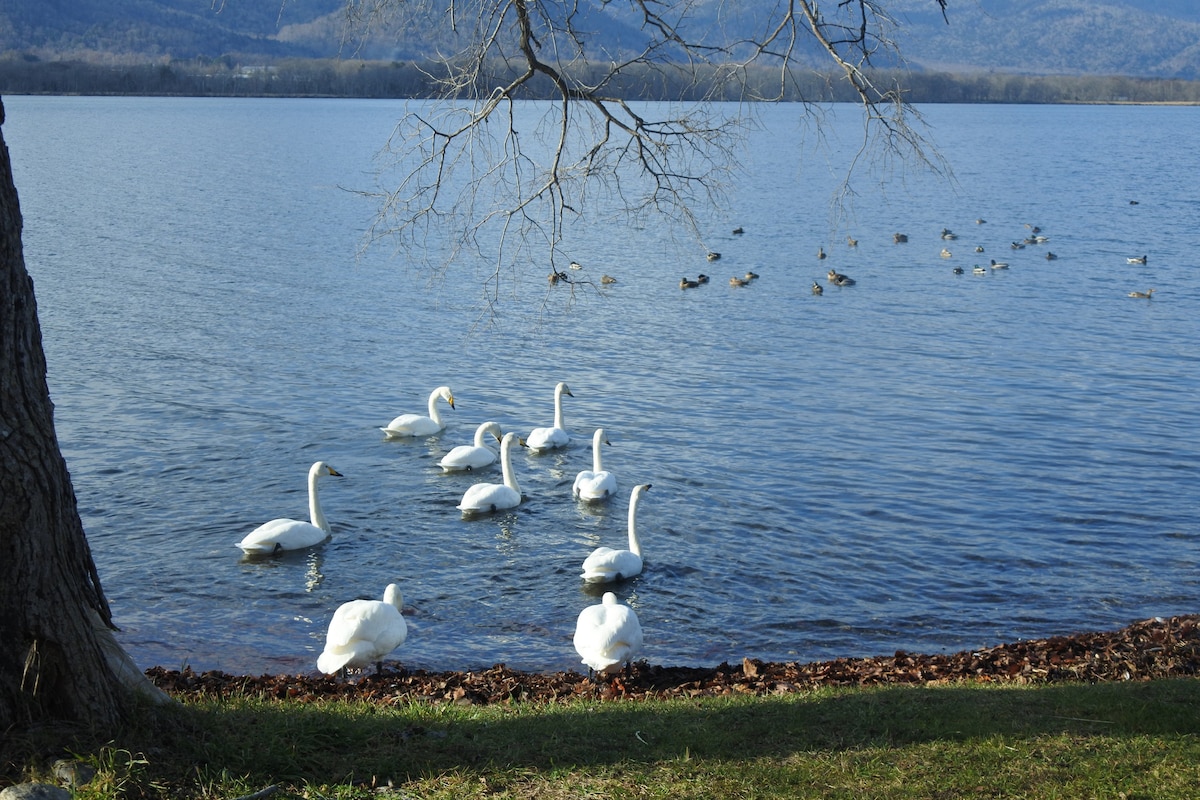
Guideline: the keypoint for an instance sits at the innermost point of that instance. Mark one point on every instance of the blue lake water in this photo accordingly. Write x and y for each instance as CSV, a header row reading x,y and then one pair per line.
x,y
923,461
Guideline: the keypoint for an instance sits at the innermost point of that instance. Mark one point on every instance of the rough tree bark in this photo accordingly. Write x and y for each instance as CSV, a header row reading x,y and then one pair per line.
x,y
58,659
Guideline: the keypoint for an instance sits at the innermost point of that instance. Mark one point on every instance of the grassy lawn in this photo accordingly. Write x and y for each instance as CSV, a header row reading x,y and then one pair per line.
x,y
1119,740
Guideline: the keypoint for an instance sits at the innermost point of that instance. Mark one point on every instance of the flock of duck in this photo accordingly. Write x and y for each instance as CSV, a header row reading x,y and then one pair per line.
x,y
362,632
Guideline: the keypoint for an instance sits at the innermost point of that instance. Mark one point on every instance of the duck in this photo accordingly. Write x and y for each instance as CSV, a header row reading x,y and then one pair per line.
x,y
1136,260
417,425
607,279
978,248
946,253
817,289
981,221
575,265
750,276
958,270
597,483
362,632
482,498
948,234
1050,256
542,439
466,457
899,238
684,283
293,534
738,231
607,565
1018,245
607,635
701,278
555,277
820,252
736,281
978,270
999,264
712,256
851,242
1146,294
838,279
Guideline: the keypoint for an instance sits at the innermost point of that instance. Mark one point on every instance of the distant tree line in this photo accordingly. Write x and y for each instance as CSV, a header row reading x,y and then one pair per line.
x,y
227,77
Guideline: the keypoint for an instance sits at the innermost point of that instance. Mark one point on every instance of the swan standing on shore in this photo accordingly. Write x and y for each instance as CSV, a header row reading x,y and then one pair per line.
x,y
607,635
473,456
596,483
362,632
541,439
293,534
605,564
417,425
484,497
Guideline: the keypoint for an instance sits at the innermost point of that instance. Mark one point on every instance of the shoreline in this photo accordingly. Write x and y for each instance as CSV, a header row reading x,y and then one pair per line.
x,y
1151,649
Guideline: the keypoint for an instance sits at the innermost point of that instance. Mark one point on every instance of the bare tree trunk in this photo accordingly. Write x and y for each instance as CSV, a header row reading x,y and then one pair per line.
x,y
54,617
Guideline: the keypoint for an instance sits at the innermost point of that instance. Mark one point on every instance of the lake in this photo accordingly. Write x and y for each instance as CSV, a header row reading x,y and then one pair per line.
x,y
925,461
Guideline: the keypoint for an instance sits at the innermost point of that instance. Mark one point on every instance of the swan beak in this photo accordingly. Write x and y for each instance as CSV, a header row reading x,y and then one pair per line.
x,y
450,400
334,472
606,441
567,392
522,442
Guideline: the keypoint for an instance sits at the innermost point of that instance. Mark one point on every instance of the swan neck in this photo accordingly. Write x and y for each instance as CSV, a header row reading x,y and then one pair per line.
x,y
596,466
558,414
635,546
510,479
314,503
433,409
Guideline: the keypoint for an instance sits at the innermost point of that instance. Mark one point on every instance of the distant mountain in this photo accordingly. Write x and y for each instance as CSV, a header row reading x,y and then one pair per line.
x,y
1148,38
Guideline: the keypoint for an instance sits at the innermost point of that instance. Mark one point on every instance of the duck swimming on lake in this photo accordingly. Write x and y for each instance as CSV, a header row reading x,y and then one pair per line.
x,y
1136,260
1146,294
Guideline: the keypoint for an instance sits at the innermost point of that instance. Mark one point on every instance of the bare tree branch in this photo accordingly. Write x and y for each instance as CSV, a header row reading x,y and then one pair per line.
x,y
504,177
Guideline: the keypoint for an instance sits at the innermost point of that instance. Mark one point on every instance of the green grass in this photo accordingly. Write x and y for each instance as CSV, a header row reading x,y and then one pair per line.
x,y
1128,740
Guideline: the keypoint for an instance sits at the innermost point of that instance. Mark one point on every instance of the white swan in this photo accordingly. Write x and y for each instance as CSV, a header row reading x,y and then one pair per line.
x,y
293,534
483,497
607,635
362,632
473,456
417,425
606,564
540,439
596,483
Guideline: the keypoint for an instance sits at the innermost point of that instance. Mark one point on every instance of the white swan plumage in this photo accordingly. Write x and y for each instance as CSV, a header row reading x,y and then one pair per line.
x,y
418,425
362,632
473,456
293,534
540,439
607,635
596,483
606,564
484,497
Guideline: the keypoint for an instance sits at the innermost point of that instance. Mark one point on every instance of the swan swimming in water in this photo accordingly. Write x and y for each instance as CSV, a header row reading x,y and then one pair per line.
x,y
605,564
473,456
417,425
541,439
607,635
362,632
596,483
484,497
293,534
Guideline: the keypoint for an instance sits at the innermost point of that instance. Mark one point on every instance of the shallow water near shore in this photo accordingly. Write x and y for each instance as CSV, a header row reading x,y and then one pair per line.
x,y
923,461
